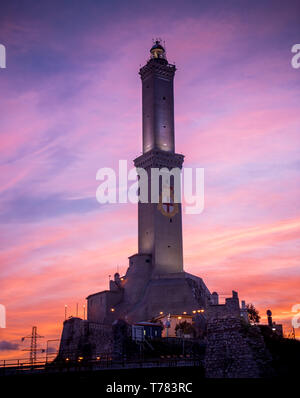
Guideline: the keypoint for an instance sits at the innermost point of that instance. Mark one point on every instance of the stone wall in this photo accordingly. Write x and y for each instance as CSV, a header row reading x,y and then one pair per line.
x,y
86,339
235,350
231,308
100,305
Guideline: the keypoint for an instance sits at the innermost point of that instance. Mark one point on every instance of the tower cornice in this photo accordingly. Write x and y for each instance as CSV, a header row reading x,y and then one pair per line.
x,y
159,67
158,159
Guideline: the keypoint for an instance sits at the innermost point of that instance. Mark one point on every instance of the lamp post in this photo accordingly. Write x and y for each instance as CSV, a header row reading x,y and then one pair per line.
x,y
168,324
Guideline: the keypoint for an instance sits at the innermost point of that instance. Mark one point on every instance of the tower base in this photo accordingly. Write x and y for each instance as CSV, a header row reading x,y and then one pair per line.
x,y
142,294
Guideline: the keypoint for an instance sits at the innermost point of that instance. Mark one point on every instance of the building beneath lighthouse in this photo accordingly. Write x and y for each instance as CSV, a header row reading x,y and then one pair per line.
x,y
155,282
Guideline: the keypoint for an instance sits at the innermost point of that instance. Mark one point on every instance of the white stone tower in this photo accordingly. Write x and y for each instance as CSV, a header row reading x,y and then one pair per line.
x,y
155,280
159,224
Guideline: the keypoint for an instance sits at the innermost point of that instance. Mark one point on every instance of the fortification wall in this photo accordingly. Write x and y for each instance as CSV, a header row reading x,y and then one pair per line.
x,y
234,350
86,339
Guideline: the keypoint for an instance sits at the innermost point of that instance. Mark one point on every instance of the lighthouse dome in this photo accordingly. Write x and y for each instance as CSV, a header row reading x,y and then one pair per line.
x,y
157,50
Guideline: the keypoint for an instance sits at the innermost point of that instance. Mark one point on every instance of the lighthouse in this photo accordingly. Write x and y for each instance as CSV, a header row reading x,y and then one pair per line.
x,y
160,224
155,283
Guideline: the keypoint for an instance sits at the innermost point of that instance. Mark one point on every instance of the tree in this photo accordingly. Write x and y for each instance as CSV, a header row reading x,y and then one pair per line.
x,y
253,314
183,328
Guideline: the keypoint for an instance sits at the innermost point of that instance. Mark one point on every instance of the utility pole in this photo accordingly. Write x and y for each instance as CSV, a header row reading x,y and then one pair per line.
x,y
33,344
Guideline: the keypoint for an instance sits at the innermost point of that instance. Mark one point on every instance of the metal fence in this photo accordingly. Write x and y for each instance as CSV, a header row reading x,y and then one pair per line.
x,y
23,366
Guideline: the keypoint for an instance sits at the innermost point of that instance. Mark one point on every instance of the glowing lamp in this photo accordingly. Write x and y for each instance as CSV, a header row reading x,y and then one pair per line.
x,y
157,50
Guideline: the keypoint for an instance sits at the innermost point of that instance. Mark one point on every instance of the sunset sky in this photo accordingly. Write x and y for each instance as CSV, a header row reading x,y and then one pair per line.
x,y
70,103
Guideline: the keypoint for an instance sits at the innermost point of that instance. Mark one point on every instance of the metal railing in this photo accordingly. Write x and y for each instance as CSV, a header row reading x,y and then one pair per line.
x,y
23,366
23,362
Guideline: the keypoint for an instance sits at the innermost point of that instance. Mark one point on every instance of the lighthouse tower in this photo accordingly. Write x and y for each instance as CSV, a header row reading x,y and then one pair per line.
x,y
155,280
155,283
159,224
